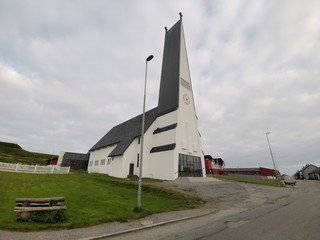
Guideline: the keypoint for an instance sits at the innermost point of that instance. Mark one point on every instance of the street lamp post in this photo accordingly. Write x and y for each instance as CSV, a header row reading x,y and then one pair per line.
x,y
274,164
142,134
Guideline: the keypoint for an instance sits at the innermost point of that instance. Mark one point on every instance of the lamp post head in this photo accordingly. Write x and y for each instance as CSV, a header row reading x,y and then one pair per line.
x,y
149,58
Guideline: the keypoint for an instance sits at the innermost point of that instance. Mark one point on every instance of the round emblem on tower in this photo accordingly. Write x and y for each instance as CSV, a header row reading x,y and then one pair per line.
x,y
186,99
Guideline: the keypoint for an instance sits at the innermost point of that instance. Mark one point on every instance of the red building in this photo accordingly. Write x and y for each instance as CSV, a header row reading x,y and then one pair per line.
x,y
213,165
53,161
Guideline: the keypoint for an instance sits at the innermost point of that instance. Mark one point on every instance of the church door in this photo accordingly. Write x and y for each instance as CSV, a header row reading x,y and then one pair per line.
x,y
131,168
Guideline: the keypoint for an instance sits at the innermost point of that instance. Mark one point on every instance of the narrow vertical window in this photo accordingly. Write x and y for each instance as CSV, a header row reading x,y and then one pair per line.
x,y
138,158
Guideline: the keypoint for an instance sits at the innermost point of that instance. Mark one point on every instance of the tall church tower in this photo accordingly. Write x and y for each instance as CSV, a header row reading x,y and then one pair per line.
x,y
177,141
172,146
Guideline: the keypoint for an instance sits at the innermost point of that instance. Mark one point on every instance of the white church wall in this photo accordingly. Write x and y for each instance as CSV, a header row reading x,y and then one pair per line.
x,y
166,119
164,138
115,168
184,64
169,136
188,126
162,165
188,138
98,161
147,145
130,156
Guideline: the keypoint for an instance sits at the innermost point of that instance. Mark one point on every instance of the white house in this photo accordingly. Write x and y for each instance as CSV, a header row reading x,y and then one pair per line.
x,y
304,172
172,142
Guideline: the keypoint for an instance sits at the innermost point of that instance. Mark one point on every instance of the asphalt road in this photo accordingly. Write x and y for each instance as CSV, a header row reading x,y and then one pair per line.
x,y
247,212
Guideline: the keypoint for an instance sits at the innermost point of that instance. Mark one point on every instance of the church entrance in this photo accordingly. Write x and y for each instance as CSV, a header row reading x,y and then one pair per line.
x,y
131,168
189,166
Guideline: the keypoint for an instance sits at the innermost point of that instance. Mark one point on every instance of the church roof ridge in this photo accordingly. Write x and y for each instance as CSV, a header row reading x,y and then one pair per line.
x,y
124,133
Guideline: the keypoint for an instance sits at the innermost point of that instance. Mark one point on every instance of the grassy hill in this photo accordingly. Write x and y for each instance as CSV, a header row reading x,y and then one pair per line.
x,y
13,153
90,198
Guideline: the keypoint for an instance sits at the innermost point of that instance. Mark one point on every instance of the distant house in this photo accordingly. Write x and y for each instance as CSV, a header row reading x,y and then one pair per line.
x,y
304,172
314,175
267,172
53,161
76,161
213,165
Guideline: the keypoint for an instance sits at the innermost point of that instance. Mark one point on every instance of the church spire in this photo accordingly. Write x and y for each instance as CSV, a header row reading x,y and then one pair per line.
x,y
170,73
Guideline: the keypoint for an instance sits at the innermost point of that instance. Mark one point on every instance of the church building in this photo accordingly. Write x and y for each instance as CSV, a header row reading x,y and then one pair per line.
x,y
172,142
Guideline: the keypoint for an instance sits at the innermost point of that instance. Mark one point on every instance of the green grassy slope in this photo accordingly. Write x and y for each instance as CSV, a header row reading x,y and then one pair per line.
x,y
90,198
272,183
13,153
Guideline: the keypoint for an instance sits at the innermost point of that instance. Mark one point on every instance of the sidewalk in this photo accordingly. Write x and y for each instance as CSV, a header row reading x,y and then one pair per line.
x,y
108,229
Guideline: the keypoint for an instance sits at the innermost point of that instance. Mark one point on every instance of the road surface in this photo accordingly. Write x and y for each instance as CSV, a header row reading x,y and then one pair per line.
x,y
247,212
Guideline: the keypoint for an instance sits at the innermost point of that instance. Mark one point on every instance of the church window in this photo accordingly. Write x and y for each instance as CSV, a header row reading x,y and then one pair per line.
x,y
166,128
185,84
163,148
189,166
138,158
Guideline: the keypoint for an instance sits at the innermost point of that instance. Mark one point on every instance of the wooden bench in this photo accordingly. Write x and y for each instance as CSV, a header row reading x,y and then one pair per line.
x,y
25,206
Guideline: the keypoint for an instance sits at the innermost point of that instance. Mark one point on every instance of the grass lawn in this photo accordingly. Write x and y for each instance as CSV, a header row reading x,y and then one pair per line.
x,y
271,183
90,198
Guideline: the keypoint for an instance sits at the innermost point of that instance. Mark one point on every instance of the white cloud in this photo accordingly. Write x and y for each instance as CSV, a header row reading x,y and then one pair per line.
x,y
69,71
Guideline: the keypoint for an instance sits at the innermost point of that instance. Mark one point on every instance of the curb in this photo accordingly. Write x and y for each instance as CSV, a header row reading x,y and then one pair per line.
x,y
148,226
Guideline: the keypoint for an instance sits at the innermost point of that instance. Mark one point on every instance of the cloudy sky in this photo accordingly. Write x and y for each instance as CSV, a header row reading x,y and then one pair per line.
x,y
71,70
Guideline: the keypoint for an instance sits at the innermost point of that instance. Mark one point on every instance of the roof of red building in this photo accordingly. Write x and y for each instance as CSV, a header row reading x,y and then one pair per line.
x,y
316,171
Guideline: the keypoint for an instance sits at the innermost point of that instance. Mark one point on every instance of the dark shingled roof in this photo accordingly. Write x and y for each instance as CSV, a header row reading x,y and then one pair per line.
x,y
316,170
76,156
124,133
169,85
76,161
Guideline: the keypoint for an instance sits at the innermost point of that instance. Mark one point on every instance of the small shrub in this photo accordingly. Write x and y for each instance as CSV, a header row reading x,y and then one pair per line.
x,y
137,210
45,217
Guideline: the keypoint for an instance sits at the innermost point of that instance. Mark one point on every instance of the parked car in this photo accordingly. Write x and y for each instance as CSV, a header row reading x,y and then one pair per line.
x,y
289,181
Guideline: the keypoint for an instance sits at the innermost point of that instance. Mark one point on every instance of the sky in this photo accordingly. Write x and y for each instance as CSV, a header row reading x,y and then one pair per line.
x,y
71,70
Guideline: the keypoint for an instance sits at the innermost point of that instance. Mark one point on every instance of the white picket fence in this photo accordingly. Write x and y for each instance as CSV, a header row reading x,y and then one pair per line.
x,y
17,167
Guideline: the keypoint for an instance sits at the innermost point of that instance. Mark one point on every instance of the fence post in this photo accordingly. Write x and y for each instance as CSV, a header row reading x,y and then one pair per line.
x,y
68,169
17,167
52,169
35,168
